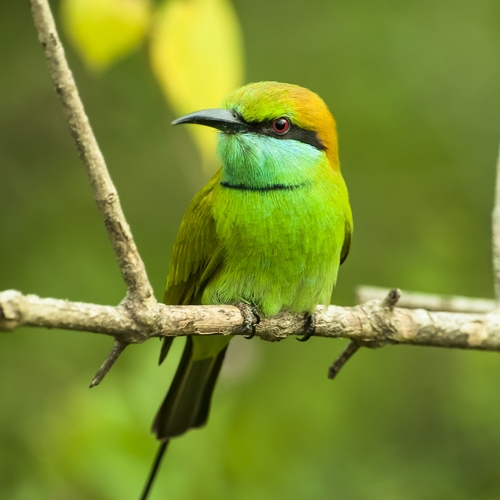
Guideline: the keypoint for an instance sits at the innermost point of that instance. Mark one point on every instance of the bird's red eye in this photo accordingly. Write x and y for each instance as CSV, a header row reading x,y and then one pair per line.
x,y
281,126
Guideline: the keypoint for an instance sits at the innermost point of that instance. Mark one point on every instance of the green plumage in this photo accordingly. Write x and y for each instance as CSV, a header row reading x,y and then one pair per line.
x,y
270,229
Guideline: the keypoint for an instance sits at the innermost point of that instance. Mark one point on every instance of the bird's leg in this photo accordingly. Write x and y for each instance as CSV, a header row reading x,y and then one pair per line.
x,y
310,327
250,318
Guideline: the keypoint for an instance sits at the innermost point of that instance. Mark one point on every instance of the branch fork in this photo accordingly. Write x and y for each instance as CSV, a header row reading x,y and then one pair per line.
x,y
353,346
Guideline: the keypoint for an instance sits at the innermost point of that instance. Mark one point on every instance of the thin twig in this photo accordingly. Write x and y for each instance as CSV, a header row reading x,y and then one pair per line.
x,y
496,232
431,302
118,348
139,291
105,194
345,356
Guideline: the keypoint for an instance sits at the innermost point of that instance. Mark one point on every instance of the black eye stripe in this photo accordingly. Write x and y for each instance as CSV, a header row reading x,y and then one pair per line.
x,y
295,133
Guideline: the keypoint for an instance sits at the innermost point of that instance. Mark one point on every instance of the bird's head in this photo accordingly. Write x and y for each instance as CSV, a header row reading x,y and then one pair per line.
x,y
268,128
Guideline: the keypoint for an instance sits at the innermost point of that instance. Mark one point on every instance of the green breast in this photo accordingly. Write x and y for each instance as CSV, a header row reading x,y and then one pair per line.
x,y
281,247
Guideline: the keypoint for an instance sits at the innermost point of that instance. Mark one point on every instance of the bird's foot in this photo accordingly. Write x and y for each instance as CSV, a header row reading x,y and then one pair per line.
x,y
310,327
250,318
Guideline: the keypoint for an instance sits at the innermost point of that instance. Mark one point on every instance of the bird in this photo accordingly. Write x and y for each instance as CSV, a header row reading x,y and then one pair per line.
x,y
267,233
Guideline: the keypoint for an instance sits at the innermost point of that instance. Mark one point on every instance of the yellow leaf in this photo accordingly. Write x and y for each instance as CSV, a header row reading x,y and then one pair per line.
x,y
105,30
197,56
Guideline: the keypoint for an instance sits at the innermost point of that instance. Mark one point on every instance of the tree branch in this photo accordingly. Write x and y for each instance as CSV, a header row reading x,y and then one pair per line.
x,y
105,194
372,323
140,317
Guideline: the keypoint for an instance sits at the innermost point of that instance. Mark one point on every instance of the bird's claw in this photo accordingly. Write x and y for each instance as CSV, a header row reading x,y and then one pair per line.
x,y
250,319
310,327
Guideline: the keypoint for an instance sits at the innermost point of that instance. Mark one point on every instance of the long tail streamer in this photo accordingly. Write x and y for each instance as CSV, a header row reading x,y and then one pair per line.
x,y
154,470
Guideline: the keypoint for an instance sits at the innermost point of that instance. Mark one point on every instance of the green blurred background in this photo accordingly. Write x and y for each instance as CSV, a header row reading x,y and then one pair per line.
x,y
414,87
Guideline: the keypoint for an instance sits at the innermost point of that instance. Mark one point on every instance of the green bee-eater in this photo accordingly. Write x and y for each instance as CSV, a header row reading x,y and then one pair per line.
x,y
269,230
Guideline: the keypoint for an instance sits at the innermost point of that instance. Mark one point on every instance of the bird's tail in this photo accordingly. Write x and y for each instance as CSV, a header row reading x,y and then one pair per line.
x,y
187,403
188,400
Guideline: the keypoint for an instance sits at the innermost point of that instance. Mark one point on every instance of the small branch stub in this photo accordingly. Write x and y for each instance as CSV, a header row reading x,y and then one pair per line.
x,y
118,348
392,298
344,357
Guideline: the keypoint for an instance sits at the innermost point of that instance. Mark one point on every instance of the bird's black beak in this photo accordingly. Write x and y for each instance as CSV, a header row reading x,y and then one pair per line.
x,y
222,119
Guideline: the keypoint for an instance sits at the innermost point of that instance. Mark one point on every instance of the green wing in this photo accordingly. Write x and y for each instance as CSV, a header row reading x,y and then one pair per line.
x,y
195,255
347,241
348,223
195,258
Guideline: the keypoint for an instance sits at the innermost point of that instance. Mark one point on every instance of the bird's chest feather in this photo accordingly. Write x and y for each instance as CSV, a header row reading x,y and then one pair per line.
x,y
280,247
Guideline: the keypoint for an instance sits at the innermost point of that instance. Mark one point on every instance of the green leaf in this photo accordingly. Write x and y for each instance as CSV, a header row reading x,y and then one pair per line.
x,y
197,56
103,31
